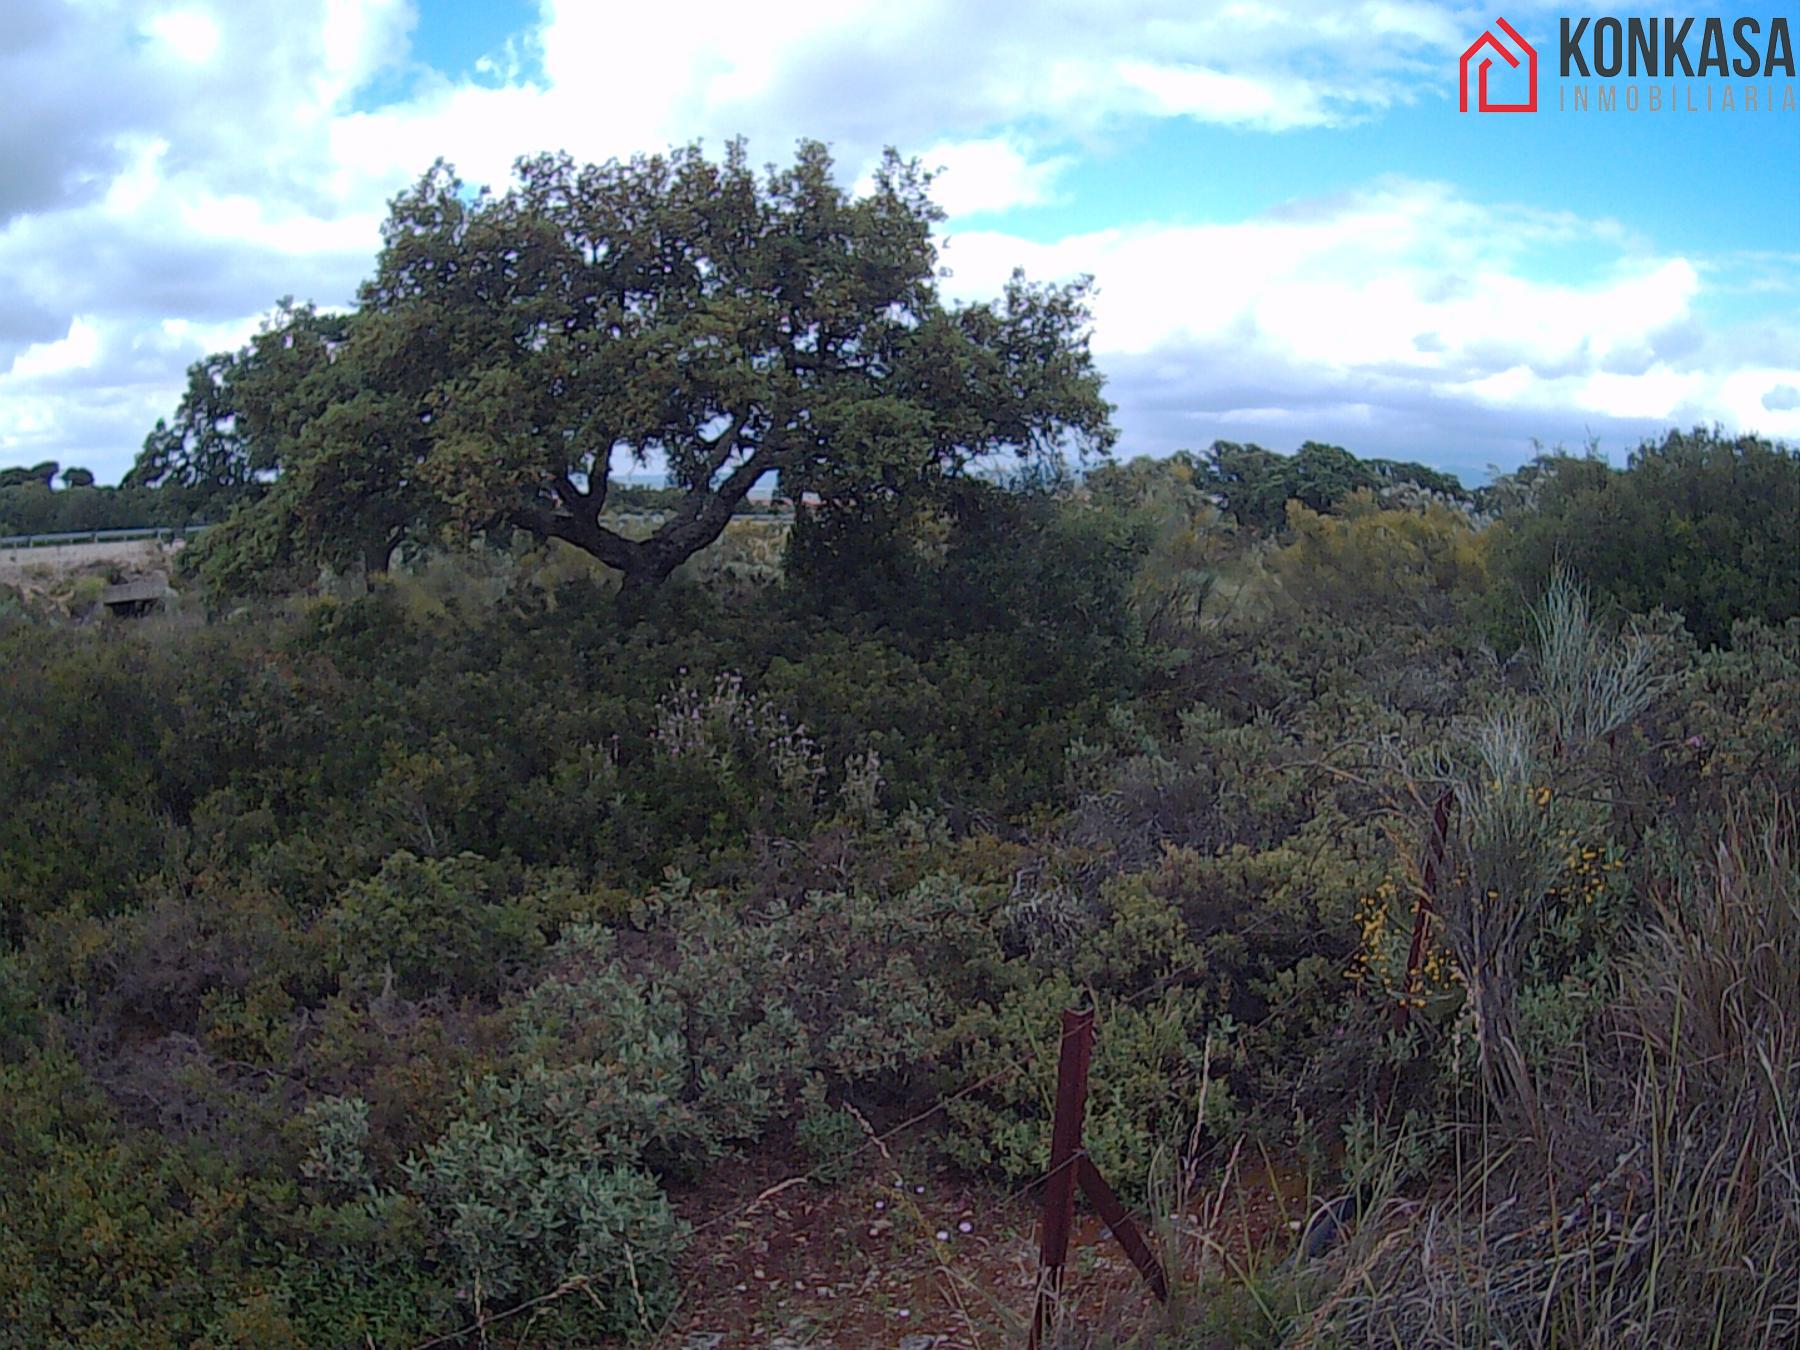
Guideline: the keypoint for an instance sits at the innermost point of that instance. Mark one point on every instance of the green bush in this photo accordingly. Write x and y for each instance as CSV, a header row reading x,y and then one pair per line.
x,y
1700,523
518,1207
434,925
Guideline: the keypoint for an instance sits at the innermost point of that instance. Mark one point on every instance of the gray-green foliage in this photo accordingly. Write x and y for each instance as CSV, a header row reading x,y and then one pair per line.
x,y
537,1180
337,1141
866,981
830,1136
673,1063
518,1207
637,1069
1593,683
1147,1086
614,1068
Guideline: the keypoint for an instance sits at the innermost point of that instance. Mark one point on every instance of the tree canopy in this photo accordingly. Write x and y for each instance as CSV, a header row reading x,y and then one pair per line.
x,y
239,415
1701,522
41,474
1257,484
511,351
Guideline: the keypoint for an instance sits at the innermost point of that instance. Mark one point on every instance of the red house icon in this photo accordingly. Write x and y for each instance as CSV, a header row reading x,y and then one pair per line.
x,y
1488,39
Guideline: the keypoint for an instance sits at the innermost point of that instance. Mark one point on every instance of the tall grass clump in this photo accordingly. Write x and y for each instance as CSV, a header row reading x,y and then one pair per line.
x,y
1592,683
1507,862
1531,781
1676,1220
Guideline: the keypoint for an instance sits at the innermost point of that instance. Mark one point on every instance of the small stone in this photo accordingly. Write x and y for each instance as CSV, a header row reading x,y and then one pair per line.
x,y
965,1227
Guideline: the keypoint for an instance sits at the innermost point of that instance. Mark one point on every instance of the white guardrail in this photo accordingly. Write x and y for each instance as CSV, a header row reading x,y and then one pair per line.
x,y
161,532
158,532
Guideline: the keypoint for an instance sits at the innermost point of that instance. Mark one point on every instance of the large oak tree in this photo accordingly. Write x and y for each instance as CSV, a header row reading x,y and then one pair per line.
x,y
513,352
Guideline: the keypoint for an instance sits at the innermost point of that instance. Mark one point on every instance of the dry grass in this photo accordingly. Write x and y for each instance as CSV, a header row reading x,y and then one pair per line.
x,y
40,568
1675,1221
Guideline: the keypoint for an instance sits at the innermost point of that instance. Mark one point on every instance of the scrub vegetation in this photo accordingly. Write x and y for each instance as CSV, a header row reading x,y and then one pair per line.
x,y
398,937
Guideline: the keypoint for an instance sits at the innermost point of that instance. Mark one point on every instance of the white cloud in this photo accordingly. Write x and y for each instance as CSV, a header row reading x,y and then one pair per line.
x,y
996,173
1214,96
211,157
189,34
866,73
1405,310
78,350
85,398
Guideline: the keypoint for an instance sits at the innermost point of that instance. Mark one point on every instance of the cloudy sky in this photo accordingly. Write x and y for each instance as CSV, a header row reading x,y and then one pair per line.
x,y
1294,231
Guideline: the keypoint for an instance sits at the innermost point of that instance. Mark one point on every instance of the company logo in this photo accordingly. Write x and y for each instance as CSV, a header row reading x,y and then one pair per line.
x,y
1611,64
1505,51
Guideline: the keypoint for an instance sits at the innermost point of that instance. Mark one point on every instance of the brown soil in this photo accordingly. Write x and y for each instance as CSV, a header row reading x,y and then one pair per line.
x,y
908,1253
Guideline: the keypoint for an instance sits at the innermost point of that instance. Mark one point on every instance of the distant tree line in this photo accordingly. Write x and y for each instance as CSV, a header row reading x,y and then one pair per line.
x,y
32,502
1255,485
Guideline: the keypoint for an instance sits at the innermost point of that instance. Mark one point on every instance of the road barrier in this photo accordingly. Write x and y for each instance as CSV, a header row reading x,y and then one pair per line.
x,y
156,532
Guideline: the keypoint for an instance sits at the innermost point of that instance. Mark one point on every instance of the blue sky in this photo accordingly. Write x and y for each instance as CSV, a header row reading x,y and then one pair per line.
x,y
1295,234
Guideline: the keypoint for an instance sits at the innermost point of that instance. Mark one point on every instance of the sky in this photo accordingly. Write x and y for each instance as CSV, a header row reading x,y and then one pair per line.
x,y
1294,232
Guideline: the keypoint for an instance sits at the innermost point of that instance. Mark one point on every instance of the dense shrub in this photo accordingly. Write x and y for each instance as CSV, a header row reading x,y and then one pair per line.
x,y
517,1208
374,962
1700,523
431,924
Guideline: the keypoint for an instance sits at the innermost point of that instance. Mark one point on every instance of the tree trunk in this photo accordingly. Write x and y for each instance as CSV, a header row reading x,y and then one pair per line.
x,y
377,555
645,574
647,563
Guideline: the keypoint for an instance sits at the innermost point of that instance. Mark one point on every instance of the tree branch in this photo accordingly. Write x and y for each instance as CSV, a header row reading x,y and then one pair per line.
x,y
576,502
721,447
686,534
611,548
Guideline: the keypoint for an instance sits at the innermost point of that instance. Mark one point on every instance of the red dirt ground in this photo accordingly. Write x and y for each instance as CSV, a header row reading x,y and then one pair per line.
x,y
907,1253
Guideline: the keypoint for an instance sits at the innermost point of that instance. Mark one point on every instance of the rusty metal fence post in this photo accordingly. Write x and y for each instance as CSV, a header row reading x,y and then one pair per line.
x,y
1436,845
1070,1166
1065,1143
